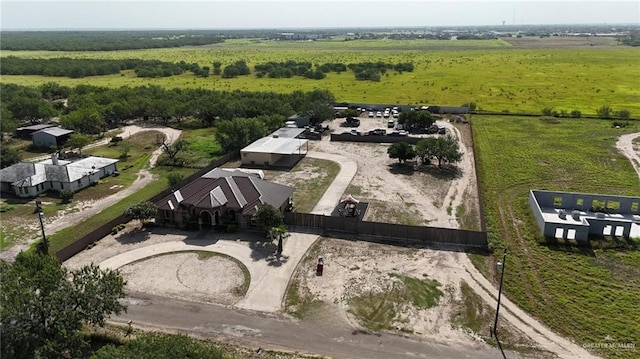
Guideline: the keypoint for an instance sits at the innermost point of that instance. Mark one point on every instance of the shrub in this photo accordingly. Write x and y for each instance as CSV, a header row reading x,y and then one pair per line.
x,y
66,195
576,114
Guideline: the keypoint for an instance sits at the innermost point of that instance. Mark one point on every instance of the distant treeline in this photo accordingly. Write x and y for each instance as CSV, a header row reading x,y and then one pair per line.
x,y
103,40
371,71
631,40
79,68
90,109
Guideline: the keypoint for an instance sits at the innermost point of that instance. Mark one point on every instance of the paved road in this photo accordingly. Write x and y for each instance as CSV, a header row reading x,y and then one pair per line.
x,y
276,332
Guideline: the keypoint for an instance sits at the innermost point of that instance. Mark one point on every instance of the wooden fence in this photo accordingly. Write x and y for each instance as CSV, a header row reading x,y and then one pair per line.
x,y
389,233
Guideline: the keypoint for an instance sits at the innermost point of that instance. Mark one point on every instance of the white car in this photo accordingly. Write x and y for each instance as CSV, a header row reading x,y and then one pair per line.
x,y
378,114
370,114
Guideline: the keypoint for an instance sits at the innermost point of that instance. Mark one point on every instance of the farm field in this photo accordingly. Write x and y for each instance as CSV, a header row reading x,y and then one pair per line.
x,y
492,74
585,292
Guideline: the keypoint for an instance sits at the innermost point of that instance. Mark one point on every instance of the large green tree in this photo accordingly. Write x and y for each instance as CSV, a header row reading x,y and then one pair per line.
x,y
32,110
237,133
142,211
78,140
443,148
43,307
9,156
416,119
402,151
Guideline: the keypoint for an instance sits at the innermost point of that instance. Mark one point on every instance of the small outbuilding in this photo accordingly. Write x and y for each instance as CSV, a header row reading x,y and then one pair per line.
x,y
51,137
283,148
27,131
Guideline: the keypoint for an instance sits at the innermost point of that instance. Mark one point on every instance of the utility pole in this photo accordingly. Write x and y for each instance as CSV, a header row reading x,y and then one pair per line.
x,y
44,246
500,266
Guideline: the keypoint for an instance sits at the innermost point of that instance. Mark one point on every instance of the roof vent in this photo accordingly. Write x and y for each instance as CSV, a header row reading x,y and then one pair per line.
x,y
562,214
575,215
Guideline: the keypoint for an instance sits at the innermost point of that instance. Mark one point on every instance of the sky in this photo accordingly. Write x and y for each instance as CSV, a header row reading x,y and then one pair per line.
x,y
262,14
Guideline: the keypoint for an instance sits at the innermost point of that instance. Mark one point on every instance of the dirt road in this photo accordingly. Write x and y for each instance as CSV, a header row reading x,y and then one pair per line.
x,y
626,147
91,208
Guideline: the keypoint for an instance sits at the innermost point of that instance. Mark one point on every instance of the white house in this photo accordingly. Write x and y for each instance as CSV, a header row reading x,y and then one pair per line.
x,y
30,179
282,148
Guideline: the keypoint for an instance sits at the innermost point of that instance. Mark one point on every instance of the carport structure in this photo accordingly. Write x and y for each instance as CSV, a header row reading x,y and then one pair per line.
x,y
282,148
569,215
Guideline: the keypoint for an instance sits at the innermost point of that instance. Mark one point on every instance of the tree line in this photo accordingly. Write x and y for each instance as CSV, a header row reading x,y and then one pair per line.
x,y
104,40
79,68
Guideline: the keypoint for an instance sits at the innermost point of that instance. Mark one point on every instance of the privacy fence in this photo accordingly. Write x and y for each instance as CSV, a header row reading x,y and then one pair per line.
x,y
100,232
389,233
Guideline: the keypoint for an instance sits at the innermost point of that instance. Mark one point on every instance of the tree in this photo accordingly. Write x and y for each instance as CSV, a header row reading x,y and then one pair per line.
x,y
444,148
402,151
623,114
237,133
278,233
44,307
175,178
171,150
142,211
9,156
66,195
416,119
88,120
30,109
78,140
604,111
268,217
576,114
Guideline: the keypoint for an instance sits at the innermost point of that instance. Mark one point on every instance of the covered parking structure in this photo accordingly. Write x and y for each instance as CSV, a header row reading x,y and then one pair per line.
x,y
280,149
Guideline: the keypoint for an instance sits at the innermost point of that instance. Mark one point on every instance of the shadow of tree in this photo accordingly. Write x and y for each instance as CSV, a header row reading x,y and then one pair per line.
x,y
262,250
446,172
136,235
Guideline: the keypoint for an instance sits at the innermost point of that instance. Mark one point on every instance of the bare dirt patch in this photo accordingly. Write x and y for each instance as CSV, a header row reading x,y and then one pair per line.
x,y
355,269
180,275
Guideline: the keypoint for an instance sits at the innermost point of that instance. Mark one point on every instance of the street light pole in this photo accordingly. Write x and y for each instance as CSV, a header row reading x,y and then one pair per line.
x,y
44,246
500,266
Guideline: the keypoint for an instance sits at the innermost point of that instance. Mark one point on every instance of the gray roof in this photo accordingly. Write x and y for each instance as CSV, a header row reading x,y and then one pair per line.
x,y
31,174
284,146
34,127
287,132
55,131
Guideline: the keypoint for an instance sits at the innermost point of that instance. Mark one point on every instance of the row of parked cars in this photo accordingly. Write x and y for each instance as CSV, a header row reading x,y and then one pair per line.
x,y
378,132
394,112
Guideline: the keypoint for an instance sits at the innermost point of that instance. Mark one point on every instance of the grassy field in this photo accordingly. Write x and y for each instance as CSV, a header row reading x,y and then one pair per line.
x,y
490,73
585,292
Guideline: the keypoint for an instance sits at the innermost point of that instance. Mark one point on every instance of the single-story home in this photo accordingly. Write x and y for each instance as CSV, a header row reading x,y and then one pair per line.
x,y
282,148
27,131
51,137
221,197
569,215
27,179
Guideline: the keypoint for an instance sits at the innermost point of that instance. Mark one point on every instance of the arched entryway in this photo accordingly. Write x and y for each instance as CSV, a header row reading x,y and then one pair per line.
x,y
205,220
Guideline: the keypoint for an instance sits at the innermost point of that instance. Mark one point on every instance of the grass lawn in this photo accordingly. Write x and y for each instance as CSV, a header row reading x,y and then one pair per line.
x,y
585,292
202,149
490,73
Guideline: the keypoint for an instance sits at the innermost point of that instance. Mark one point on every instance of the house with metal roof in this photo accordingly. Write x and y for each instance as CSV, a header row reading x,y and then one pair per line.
x,y
51,137
27,131
282,148
221,197
569,215
28,179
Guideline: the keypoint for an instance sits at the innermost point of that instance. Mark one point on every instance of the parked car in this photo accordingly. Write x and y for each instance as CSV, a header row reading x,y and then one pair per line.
x,y
442,130
352,122
400,133
391,123
378,132
378,114
355,133
370,114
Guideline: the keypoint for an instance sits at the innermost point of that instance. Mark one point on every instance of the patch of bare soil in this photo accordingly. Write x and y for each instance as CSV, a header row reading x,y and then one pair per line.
x,y
407,194
180,275
354,268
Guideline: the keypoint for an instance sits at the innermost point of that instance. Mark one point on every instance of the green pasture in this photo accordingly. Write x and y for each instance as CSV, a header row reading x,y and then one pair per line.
x,y
586,292
496,77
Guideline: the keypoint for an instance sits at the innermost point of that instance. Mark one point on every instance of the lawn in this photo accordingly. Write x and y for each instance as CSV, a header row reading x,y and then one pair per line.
x,y
585,292
491,74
